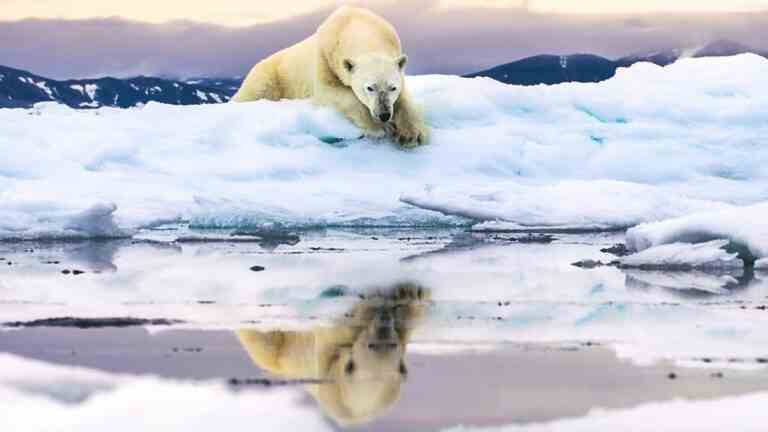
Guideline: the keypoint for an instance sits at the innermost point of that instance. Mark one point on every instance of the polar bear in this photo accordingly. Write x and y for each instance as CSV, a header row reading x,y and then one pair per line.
x,y
354,63
359,360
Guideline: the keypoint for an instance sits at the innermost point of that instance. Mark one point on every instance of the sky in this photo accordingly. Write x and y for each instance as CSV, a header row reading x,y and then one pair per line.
x,y
89,38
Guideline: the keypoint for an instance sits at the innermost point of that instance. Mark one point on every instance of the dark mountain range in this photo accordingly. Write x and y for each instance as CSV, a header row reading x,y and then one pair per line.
x,y
550,69
22,89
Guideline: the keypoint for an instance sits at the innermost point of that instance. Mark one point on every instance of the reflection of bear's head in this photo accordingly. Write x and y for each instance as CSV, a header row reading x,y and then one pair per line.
x,y
360,359
377,81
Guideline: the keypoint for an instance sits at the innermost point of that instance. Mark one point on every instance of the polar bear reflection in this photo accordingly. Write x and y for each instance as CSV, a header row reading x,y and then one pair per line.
x,y
360,358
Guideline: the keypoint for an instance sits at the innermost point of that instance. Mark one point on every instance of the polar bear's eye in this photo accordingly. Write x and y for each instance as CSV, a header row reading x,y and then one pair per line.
x,y
393,88
370,88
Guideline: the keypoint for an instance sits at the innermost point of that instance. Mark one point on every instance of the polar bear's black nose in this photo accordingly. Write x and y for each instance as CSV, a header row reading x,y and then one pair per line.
x,y
385,117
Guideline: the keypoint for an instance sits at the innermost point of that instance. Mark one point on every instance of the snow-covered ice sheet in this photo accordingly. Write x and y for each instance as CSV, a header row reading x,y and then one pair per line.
x,y
649,144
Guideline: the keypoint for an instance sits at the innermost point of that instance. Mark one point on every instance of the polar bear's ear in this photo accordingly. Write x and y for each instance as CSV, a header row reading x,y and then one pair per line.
x,y
402,61
348,65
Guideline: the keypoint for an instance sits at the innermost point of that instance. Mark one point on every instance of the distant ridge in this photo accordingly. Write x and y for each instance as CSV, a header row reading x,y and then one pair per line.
x,y
553,69
23,89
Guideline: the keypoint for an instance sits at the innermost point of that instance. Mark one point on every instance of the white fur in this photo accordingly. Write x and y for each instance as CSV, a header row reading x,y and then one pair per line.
x,y
353,63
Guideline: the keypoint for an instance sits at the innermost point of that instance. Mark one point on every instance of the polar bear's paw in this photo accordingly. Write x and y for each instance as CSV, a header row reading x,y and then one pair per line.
x,y
407,132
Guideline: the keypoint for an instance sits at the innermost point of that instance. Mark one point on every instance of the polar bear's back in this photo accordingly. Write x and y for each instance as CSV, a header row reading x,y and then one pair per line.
x,y
286,74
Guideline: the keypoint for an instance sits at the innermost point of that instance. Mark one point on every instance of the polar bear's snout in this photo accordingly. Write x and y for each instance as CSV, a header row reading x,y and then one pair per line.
x,y
383,107
383,334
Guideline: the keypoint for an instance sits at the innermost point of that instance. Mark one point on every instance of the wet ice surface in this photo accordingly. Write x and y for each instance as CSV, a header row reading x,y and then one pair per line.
x,y
508,331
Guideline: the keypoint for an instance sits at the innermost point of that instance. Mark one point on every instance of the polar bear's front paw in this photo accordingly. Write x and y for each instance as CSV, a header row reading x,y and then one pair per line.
x,y
408,133
374,133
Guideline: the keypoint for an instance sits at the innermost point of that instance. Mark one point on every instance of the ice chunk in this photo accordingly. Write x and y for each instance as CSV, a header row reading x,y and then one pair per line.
x,y
97,221
681,256
745,227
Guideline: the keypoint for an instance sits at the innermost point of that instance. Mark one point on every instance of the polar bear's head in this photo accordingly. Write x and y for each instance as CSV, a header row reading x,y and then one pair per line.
x,y
377,81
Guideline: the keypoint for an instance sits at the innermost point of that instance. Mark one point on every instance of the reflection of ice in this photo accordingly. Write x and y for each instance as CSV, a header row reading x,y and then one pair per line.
x,y
462,242
94,255
694,282
44,396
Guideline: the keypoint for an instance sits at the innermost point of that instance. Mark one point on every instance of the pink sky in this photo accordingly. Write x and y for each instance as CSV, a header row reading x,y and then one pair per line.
x,y
249,12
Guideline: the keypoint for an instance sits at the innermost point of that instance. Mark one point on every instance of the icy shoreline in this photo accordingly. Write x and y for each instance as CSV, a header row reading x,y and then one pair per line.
x,y
648,145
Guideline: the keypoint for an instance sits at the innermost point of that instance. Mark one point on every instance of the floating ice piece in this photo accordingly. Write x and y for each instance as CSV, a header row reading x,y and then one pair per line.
x,y
746,228
684,256
94,222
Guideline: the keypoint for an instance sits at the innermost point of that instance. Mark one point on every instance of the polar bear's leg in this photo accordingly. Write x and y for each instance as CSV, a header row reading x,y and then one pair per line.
x,y
345,101
408,127
264,348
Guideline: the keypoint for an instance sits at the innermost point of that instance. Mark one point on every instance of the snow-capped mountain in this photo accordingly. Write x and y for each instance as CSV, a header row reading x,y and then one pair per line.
x,y
21,89
551,69
228,85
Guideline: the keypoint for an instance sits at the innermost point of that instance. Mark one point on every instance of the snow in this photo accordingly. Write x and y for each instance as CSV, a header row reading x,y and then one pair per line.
x,y
91,89
649,144
201,95
77,87
42,85
745,227
742,413
708,255
612,204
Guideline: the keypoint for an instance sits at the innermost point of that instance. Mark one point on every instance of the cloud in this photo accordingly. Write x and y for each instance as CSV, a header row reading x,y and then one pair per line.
x,y
437,39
